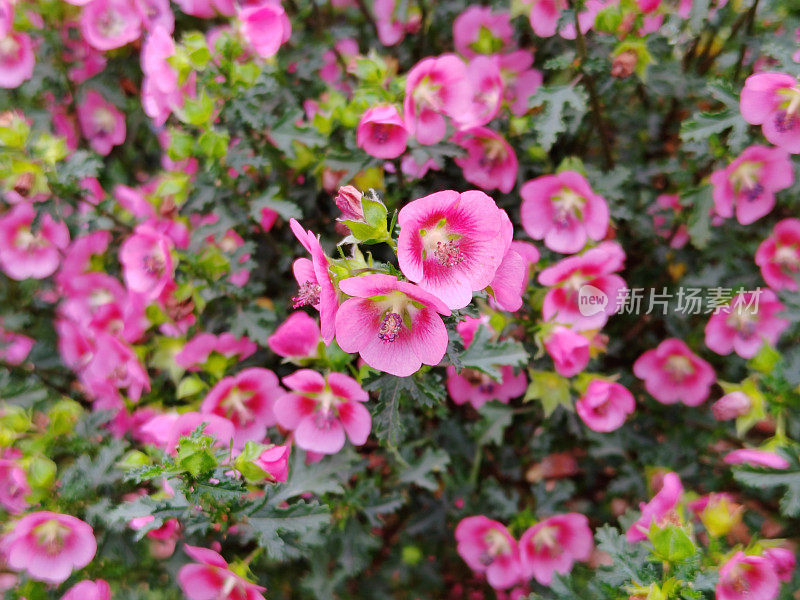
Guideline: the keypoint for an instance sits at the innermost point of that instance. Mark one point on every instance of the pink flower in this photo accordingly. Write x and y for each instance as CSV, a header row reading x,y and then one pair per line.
x,y
544,15
314,280
483,75
744,577
381,132
487,547
209,578
48,546
435,87
590,272
394,21
586,19
172,429
274,461
14,487
88,590
568,349
563,211
731,406
109,24
392,324
450,244
605,405
321,410
554,545
101,123
673,373
519,80
755,457
16,59
478,30
490,163
511,277
27,254
247,400
199,348
772,100
296,338
146,257
746,323
265,26
779,256
749,183
665,210
477,387
783,561
348,200
658,510
14,347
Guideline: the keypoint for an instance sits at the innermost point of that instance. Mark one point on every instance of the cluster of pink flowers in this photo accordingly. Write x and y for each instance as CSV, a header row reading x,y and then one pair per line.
x,y
553,545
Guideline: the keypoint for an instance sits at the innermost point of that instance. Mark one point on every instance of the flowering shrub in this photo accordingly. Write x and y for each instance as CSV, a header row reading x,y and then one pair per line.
x,y
399,299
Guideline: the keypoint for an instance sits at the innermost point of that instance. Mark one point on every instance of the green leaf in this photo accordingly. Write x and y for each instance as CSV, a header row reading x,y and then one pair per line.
x,y
487,356
551,389
700,201
671,543
422,473
286,209
324,477
557,101
496,418
283,531
766,479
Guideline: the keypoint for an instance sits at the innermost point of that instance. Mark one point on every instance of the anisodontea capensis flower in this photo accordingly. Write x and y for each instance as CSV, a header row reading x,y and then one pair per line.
x,y
487,547
297,338
563,211
146,257
14,487
265,26
450,244
109,24
26,252
749,183
554,545
477,387
210,577
757,458
772,100
17,59
596,268
660,510
381,132
747,577
247,400
102,124
544,15
779,256
199,348
89,590
315,287
48,546
783,561
569,350
490,162
321,410
732,406
478,30
673,373
605,405
746,323
394,325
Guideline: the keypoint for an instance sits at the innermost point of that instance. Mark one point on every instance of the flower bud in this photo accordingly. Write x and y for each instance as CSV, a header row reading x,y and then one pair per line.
x,y
624,64
731,406
348,200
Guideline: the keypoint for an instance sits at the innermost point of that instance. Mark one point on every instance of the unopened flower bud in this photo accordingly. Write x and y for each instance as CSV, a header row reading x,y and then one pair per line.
x,y
731,406
624,64
348,199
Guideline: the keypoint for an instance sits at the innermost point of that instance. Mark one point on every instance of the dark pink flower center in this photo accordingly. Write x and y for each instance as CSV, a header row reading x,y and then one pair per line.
x,y
785,121
679,367
448,253
307,294
51,535
381,132
154,265
236,408
390,327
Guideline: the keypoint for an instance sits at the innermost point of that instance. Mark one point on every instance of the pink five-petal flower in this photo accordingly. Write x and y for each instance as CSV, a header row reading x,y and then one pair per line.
x,y
673,373
146,259
247,400
486,84
554,545
756,457
27,254
563,211
209,578
658,510
490,162
48,546
321,410
109,24
772,100
101,123
16,59
477,387
519,80
435,87
381,132
220,428
544,15
478,30
88,590
744,577
296,338
450,244
394,325
568,349
779,256
591,271
605,405
487,547
314,280
783,561
265,26
749,183
746,323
